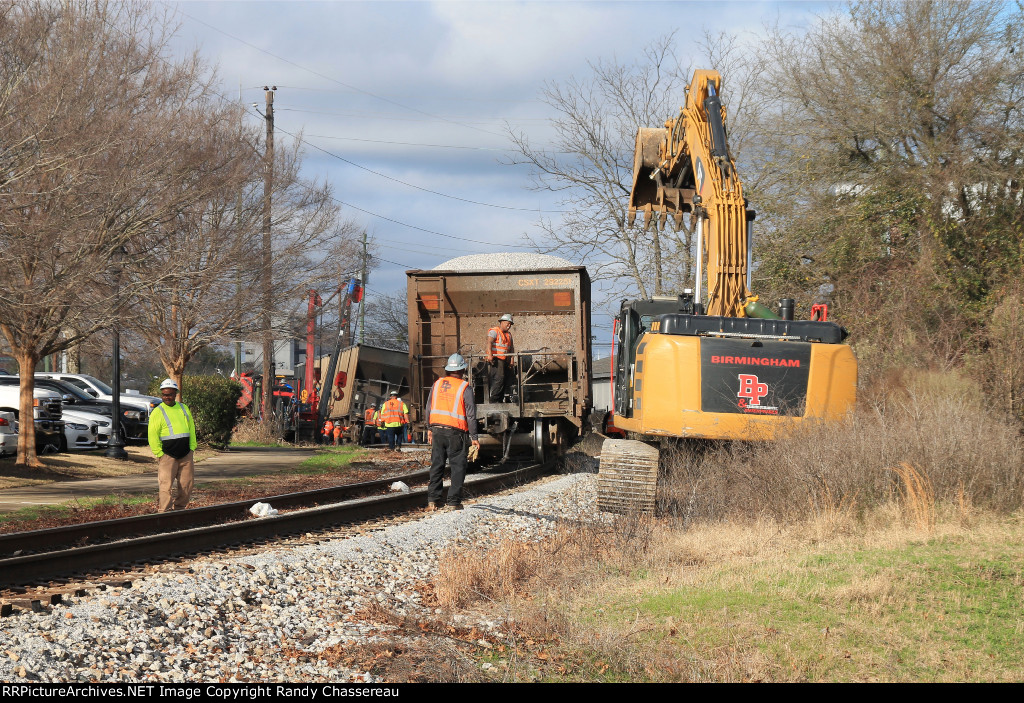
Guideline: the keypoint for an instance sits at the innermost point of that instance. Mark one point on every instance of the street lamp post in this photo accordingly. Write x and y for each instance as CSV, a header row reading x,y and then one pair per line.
x,y
115,445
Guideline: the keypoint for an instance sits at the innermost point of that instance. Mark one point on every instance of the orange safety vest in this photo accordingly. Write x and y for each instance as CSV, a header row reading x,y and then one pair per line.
x,y
448,403
502,343
369,415
393,412
328,427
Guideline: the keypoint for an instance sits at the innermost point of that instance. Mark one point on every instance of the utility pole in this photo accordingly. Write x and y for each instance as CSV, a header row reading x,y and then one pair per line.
x,y
238,242
268,187
362,310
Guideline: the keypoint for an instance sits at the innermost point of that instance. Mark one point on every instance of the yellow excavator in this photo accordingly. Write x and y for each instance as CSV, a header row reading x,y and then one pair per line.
x,y
712,362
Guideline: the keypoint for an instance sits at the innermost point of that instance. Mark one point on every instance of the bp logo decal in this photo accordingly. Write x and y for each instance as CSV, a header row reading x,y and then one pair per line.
x,y
751,392
762,378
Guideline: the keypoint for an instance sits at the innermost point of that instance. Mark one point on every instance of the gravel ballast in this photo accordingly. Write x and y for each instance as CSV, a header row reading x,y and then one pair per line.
x,y
504,261
232,617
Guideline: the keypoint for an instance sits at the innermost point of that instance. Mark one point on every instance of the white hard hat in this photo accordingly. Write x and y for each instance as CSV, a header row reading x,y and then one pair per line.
x,y
455,363
394,392
504,317
168,383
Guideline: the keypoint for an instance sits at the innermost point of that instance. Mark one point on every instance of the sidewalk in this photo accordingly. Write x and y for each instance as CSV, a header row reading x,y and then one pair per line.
x,y
234,463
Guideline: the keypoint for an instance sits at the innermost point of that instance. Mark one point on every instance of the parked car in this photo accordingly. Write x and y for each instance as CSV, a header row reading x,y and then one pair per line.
x,y
8,434
47,411
135,406
131,425
84,429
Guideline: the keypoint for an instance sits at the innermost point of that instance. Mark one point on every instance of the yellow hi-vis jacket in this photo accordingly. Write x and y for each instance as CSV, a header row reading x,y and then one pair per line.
x,y
394,413
172,430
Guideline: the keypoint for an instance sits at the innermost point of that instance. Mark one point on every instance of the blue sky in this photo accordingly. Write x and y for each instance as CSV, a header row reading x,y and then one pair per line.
x,y
418,94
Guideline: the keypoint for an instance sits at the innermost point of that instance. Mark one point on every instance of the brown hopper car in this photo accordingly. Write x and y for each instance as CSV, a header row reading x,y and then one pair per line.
x,y
451,311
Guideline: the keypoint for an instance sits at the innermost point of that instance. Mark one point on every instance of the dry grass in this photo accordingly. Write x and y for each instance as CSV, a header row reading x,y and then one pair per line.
x,y
251,432
959,450
885,548
76,465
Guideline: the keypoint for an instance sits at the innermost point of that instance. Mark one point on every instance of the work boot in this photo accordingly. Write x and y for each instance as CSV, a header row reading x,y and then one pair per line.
x,y
431,507
453,506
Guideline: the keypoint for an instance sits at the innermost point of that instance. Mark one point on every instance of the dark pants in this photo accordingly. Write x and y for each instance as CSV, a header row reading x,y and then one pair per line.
x,y
395,436
368,435
450,444
498,374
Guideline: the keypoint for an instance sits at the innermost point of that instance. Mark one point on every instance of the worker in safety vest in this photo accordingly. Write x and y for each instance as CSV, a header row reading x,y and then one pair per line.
x,y
451,429
328,431
369,427
172,437
395,414
499,356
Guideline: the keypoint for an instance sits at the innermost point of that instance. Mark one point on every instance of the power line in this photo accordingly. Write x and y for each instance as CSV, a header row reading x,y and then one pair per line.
x,y
412,185
409,119
309,187
386,141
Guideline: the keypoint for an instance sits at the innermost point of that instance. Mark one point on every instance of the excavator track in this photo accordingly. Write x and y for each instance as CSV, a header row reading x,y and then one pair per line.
x,y
628,478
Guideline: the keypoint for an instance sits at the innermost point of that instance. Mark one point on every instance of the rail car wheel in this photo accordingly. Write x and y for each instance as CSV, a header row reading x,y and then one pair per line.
x,y
539,437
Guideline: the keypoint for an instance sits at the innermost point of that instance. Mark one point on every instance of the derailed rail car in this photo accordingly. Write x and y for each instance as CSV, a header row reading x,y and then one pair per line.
x,y
451,309
364,376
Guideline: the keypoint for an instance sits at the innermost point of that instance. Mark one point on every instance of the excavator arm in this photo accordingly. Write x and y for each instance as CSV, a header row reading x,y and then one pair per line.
x,y
686,167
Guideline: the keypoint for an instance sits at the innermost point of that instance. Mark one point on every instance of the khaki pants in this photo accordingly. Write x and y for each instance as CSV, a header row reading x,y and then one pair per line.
x,y
168,469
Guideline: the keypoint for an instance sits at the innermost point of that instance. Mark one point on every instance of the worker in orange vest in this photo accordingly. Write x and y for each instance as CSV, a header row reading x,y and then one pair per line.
x,y
337,433
451,423
498,356
369,429
328,430
394,414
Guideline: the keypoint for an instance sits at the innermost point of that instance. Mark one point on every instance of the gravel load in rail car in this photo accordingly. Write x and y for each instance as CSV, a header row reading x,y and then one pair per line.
x,y
547,392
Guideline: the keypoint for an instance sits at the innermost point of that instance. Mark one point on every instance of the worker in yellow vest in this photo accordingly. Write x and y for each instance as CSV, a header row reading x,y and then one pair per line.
x,y
395,415
451,423
172,437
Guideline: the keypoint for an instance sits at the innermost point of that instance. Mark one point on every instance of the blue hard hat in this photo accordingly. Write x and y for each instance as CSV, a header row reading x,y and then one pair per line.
x,y
455,363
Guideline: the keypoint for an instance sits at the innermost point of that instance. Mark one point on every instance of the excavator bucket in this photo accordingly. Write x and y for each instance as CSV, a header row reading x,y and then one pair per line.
x,y
644,196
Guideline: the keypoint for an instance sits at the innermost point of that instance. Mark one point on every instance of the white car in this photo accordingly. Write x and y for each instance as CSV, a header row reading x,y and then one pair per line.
x,y
85,430
8,434
134,406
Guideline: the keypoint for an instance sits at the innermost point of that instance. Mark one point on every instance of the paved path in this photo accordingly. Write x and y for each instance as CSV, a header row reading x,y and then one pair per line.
x,y
237,462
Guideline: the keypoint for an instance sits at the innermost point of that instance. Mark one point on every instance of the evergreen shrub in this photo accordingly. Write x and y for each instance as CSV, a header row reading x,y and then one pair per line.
x,y
213,402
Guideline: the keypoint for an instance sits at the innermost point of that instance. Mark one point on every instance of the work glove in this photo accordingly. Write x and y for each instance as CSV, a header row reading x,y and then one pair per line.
x,y
473,453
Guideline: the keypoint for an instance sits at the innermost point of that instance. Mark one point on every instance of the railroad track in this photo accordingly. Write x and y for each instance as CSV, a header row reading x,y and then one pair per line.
x,y
147,539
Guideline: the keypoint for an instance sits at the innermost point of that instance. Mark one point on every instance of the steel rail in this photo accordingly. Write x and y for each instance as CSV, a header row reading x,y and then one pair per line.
x,y
35,568
120,528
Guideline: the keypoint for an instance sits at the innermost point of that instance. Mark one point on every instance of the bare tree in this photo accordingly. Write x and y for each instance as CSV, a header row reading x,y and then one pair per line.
x,y
90,119
895,147
212,252
591,165
387,321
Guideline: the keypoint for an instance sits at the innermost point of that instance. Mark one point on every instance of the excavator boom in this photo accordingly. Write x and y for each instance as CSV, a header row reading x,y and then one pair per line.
x,y
686,167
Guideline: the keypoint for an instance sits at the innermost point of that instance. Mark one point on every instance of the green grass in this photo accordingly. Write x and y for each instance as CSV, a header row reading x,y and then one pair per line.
x,y
35,512
938,610
331,459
